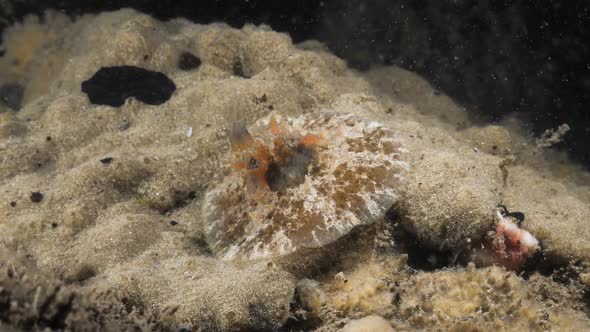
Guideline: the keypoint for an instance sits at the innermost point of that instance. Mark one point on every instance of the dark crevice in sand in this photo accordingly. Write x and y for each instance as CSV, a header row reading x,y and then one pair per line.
x,y
181,199
300,324
420,257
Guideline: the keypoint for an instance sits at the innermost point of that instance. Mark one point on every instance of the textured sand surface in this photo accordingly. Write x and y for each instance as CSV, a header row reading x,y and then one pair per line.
x,y
133,226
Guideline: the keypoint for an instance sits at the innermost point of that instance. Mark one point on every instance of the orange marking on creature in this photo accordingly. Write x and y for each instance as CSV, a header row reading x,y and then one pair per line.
x,y
310,140
255,158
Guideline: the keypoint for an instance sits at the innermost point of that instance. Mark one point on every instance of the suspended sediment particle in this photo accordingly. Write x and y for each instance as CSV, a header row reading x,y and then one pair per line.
x,y
113,85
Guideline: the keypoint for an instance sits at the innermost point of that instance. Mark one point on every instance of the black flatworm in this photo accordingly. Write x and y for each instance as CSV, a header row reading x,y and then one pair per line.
x,y
113,85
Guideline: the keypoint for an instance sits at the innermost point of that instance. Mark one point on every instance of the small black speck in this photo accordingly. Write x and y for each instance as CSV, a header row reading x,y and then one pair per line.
x,y
262,99
188,61
207,125
48,138
392,214
436,93
145,57
2,52
270,107
124,125
106,160
53,225
36,197
173,223
192,195
13,203
494,147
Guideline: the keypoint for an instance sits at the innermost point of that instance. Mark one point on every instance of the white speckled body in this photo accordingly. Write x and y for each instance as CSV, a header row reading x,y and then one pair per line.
x,y
354,180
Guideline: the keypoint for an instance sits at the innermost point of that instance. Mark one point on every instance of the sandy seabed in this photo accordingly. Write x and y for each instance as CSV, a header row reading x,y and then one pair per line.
x,y
101,207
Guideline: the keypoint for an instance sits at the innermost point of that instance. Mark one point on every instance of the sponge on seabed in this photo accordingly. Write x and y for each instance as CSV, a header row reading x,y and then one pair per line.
x,y
352,180
450,198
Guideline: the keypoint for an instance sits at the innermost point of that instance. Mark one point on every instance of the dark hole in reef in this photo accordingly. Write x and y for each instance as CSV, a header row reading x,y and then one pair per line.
x,y
200,245
188,61
173,222
106,161
181,199
57,321
11,94
124,125
238,69
420,257
36,197
13,204
291,172
113,85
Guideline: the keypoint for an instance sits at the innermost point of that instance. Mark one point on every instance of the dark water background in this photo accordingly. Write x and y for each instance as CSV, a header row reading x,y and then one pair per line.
x,y
531,58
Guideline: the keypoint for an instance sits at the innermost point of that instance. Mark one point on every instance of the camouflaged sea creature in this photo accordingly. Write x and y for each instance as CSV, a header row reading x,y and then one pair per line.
x,y
301,182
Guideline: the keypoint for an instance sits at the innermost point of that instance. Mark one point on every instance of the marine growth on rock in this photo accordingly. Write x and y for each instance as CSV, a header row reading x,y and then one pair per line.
x,y
301,182
508,245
